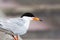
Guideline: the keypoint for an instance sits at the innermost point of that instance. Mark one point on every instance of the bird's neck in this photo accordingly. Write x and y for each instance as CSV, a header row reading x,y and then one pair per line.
x,y
27,22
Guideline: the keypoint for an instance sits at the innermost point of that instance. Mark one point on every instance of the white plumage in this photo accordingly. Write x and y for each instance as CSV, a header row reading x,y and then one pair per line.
x,y
16,25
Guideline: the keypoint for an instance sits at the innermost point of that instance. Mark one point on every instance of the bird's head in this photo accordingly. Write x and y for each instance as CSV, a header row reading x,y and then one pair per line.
x,y
31,16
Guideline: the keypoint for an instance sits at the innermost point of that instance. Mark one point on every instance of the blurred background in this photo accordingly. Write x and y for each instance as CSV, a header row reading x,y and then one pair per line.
x,y
47,10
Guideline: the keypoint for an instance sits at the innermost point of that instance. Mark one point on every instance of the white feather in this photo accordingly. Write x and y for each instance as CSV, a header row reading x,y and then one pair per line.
x,y
17,25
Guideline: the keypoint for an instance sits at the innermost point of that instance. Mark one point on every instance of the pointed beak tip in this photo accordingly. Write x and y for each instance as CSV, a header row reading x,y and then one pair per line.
x,y
41,20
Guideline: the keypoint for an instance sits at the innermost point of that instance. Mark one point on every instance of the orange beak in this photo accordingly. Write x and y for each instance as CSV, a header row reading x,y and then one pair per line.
x,y
37,19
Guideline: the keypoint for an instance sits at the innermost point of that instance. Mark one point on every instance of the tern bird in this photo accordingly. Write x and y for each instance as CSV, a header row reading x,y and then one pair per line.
x,y
18,26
